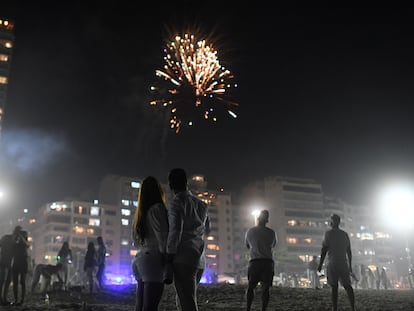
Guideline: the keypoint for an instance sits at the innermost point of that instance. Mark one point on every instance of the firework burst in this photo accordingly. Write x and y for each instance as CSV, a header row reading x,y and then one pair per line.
x,y
193,85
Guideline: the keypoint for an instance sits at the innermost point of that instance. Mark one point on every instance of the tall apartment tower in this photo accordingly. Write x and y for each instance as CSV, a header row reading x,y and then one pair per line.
x,y
6,49
219,242
122,192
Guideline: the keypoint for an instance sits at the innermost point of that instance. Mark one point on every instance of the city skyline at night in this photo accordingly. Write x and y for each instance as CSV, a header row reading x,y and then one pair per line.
x,y
324,94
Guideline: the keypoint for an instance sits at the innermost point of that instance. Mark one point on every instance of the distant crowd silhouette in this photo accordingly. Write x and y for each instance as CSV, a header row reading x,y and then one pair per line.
x,y
18,268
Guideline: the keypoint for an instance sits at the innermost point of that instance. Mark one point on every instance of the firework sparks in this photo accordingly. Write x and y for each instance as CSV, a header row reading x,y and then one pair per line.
x,y
193,84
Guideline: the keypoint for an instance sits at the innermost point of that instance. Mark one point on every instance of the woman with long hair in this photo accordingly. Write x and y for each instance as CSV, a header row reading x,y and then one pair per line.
x,y
64,256
150,231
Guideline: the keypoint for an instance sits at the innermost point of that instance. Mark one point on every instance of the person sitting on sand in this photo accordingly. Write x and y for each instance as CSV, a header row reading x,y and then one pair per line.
x,y
260,240
337,245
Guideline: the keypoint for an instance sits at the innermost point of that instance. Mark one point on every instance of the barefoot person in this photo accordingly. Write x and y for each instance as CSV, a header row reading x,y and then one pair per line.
x,y
337,245
260,240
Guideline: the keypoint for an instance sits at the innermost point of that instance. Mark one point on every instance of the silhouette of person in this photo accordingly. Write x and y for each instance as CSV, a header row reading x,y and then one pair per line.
x,y
150,231
101,260
260,240
6,257
384,278
364,277
371,278
90,265
20,264
187,217
377,278
337,246
313,272
64,256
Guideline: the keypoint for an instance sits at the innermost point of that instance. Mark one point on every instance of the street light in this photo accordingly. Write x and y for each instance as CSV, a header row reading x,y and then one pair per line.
x,y
255,214
397,209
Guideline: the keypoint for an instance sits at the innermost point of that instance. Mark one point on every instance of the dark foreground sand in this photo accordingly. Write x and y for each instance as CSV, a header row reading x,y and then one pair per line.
x,y
224,297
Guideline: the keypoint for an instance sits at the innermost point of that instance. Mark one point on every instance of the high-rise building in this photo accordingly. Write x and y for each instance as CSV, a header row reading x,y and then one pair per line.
x,y
6,49
219,242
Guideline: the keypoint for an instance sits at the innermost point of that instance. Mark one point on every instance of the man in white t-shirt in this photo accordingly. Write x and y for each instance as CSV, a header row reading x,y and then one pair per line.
x,y
337,245
260,240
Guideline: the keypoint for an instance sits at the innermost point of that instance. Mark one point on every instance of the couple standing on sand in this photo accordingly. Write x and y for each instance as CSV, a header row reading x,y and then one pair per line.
x,y
169,240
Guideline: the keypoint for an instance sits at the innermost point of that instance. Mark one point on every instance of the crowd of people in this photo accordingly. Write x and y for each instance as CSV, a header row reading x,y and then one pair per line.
x,y
18,268
170,243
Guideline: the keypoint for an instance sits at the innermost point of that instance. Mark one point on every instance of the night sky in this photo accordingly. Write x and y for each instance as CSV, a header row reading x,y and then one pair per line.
x,y
325,94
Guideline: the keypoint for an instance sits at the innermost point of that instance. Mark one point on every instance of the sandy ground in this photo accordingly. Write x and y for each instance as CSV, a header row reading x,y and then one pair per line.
x,y
223,297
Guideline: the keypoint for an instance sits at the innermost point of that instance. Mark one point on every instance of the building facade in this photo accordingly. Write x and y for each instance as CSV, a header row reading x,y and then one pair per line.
x,y
6,51
79,223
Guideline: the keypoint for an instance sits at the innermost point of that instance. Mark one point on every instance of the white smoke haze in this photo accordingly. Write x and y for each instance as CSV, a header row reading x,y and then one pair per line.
x,y
31,150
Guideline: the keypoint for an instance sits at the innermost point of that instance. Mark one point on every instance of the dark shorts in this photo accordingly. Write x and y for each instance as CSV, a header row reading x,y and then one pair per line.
x,y
260,270
338,273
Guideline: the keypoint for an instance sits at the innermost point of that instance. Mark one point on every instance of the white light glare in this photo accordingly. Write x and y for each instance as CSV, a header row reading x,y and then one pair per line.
x,y
397,205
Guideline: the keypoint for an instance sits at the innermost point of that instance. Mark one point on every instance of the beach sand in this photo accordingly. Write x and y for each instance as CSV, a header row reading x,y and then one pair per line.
x,y
223,297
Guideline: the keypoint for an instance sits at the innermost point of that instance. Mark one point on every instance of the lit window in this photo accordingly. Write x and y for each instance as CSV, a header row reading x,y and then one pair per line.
x,y
135,184
124,242
292,240
135,203
125,222
308,240
292,222
4,57
211,256
125,212
210,238
367,236
6,44
125,202
133,252
79,230
95,211
213,247
96,222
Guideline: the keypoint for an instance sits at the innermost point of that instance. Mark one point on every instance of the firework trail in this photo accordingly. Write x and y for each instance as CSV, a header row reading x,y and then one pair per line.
x,y
193,85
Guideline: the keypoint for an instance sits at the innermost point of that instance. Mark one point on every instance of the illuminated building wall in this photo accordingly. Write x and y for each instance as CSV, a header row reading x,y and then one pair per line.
x,y
297,213
296,209
122,192
219,243
6,49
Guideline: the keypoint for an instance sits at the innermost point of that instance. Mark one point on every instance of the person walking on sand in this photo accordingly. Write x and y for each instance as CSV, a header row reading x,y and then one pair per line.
x,y
150,231
337,246
188,218
90,265
100,261
313,272
260,240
